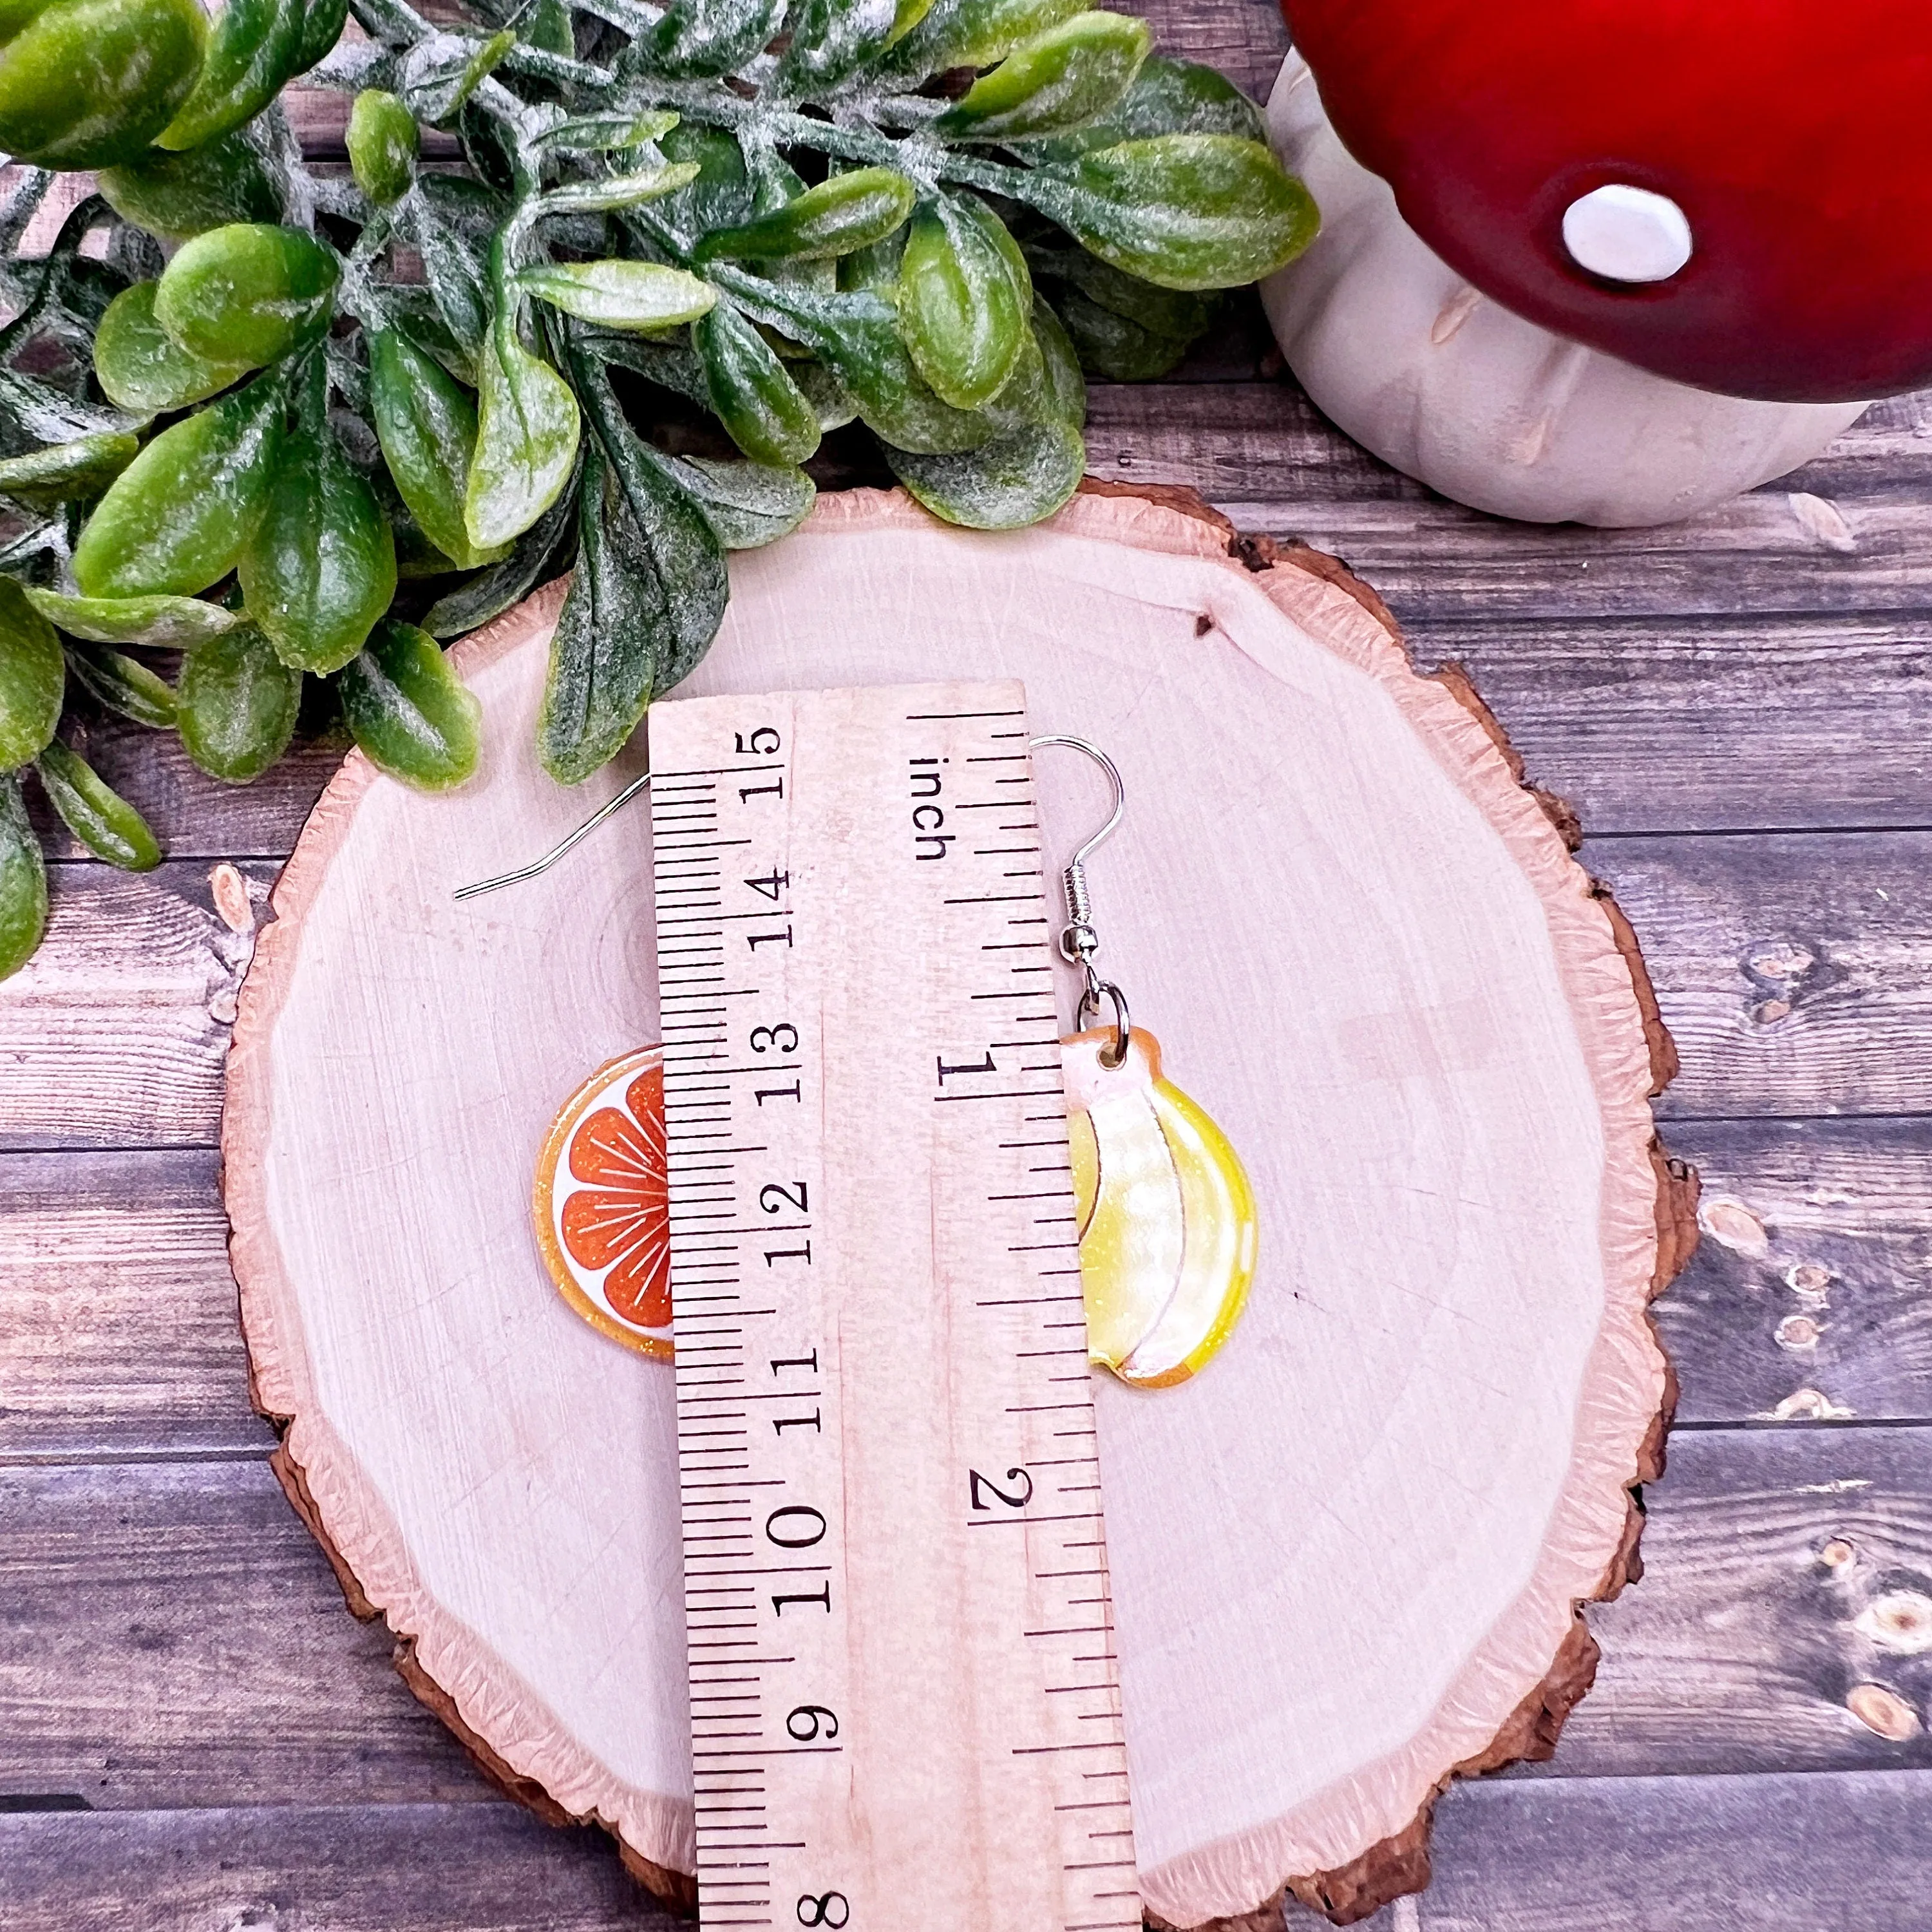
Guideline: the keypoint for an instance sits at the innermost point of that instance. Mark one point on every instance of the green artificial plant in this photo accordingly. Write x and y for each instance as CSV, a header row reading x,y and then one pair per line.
x,y
332,423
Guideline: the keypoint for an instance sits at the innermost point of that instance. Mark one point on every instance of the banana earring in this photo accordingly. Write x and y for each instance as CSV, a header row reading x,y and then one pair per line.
x,y
1167,1220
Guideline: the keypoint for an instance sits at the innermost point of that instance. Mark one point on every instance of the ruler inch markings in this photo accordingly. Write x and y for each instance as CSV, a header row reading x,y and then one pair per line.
x,y
864,1673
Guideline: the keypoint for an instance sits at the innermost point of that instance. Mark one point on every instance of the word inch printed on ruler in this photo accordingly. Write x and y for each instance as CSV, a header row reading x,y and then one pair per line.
x,y
905,1709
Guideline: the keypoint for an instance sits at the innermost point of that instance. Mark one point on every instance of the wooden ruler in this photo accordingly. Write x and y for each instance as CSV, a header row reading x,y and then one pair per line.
x,y
904,1704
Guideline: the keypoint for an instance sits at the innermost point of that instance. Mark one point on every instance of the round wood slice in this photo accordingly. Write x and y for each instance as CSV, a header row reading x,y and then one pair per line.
x,y
1347,1558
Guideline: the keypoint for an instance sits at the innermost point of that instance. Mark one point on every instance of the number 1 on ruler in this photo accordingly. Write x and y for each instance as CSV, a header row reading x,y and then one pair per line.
x,y
904,1703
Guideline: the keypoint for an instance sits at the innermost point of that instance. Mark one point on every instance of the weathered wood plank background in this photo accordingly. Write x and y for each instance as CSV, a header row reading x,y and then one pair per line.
x,y
193,1733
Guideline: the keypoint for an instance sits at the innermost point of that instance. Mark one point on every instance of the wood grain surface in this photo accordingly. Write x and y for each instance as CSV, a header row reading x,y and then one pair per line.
x,y
258,1690
1795,969
1763,1854
1736,708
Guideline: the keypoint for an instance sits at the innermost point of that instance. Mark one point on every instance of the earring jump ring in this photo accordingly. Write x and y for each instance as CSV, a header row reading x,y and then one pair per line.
x,y
1110,1056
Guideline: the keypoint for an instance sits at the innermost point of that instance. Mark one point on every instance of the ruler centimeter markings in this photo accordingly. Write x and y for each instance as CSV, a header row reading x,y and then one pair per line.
x,y
904,1703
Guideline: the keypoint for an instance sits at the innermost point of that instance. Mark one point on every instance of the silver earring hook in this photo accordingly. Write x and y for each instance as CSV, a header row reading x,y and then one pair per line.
x,y
1113,771
557,850
1078,939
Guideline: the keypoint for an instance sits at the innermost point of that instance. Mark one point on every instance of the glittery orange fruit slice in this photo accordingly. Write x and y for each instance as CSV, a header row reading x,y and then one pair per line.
x,y
600,1205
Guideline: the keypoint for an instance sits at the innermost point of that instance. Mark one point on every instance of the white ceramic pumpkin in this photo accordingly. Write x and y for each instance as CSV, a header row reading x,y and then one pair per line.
x,y
1431,375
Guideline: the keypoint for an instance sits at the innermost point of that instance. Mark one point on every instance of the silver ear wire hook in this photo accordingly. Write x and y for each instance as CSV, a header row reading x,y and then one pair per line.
x,y
1078,941
557,850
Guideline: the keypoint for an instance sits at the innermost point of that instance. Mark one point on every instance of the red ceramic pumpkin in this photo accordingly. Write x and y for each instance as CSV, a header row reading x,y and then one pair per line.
x,y
1733,194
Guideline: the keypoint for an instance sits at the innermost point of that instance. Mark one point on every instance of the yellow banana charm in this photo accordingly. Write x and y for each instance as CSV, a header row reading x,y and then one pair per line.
x,y
1168,1228
1167,1225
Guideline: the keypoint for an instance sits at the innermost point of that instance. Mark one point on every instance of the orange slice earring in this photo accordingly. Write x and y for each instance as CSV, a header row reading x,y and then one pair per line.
x,y
1168,1232
600,1206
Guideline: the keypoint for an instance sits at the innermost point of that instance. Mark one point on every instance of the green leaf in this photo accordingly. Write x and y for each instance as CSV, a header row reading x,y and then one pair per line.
x,y
586,134
90,86
965,299
670,527
95,812
612,636
527,435
621,295
747,504
411,714
618,191
63,287
33,679
1018,477
160,623
323,22
548,26
973,33
1034,460
648,597
1064,388
719,195
452,220
844,212
414,312
124,684
440,74
1168,97
1071,73
33,412
236,704
176,196
254,46
857,337
696,39
650,587
875,266
176,519
143,367
416,557
1111,346
1181,211
534,555
831,41
426,424
67,472
775,183
382,144
907,14
1178,312
490,146
23,882
671,365
827,394
750,392
248,292
320,568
